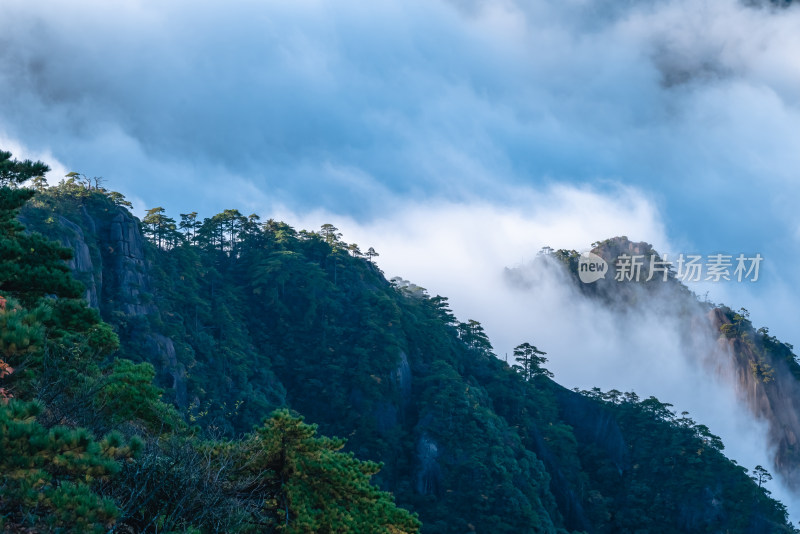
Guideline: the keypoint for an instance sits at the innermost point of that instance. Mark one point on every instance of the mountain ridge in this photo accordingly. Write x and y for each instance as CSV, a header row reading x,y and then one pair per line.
x,y
278,317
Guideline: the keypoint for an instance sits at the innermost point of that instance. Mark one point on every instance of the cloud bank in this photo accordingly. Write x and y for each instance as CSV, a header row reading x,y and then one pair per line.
x,y
650,347
456,137
345,106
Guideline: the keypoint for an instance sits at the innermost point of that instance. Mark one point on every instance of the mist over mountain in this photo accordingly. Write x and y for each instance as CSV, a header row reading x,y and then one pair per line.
x,y
670,343
316,266
368,112
239,317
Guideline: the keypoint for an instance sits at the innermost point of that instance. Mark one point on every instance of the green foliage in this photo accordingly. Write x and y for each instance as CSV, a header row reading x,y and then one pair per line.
x,y
160,228
668,486
119,199
473,336
475,463
126,393
46,475
303,484
760,476
262,316
21,333
331,234
739,325
14,172
30,265
530,361
761,350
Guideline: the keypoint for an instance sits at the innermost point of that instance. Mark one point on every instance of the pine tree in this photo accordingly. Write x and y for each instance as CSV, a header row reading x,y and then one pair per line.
x,y
330,233
761,476
126,393
530,361
189,225
161,229
474,336
21,337
46,475
14,173
305,485
31,266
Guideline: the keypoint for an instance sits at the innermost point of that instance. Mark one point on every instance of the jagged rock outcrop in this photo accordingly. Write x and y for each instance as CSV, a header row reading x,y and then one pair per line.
x,y
429,473
165,348
766,384
762,378
465,440
81,262
122,247
109,259
595,425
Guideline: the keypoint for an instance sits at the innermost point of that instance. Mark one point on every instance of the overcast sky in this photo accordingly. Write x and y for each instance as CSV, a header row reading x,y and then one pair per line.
x,y
454,136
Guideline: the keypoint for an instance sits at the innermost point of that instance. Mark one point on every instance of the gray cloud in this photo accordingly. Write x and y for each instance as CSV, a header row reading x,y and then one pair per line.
x,y
418,97
672,121
358,109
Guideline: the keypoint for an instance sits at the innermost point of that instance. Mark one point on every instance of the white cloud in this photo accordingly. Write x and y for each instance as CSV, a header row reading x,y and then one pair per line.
x,y
460,250
21,152
437,132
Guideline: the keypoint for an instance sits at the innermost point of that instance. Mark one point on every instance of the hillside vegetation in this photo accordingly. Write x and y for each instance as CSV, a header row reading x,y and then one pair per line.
x,y
156,370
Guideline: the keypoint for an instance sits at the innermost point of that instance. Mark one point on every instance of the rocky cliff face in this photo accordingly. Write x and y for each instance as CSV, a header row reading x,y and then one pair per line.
x,y
81,263
121,246
765,383
757,367
429,406
108,255
109,259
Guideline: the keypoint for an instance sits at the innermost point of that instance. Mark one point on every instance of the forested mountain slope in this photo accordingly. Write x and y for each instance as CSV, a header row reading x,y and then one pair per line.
x,y
763,371
239,317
